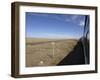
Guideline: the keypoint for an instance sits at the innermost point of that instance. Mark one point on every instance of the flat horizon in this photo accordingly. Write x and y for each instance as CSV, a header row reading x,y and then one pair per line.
x,y
49,38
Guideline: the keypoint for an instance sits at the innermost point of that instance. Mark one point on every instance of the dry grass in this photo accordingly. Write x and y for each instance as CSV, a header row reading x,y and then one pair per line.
x,y
39,52
38,40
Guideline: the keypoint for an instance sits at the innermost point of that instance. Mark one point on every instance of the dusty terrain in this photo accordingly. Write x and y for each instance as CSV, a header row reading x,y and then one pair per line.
x,y
47,52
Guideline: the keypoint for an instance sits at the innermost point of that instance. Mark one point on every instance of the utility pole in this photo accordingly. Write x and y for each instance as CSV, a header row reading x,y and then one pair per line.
x,y
53,48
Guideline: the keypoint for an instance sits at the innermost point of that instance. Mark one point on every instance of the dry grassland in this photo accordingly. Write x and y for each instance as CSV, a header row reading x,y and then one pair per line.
x,y
47,52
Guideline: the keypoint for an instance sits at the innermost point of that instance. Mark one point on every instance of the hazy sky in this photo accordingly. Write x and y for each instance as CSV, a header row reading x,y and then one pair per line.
x,y
43,25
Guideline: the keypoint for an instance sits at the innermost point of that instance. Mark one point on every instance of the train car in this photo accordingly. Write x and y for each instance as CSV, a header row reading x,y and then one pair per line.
x,y
80,53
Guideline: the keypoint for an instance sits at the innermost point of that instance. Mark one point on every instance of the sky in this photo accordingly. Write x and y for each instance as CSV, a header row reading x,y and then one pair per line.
x,y
55,26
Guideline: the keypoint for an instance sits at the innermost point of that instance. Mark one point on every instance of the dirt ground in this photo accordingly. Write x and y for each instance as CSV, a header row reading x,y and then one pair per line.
x,y
47,52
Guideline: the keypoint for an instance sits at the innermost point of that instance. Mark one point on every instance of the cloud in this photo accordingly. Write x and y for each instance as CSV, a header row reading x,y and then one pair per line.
x,y
74,17
82,23
67,19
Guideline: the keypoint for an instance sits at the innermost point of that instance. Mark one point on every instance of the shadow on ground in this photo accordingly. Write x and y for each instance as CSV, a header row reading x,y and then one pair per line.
x,y
75,57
